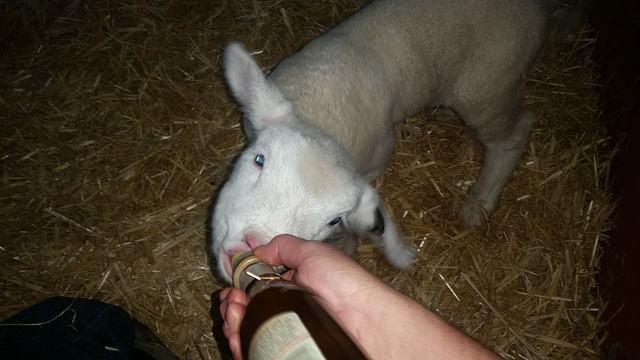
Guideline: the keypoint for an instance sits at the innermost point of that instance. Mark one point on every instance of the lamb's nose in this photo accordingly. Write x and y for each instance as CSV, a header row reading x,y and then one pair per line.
x,y
252,241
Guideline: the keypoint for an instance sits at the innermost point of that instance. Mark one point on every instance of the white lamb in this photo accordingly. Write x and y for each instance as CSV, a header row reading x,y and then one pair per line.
x,y
321,126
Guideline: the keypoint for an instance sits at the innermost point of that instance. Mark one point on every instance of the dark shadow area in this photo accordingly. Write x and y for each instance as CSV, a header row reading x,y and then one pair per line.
x,y
618,58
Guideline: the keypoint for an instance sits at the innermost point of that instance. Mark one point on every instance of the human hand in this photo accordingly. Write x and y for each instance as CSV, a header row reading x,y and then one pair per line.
x,y
364,306
337,281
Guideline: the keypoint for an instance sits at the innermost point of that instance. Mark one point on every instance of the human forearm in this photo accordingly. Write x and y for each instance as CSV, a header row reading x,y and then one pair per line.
x,y
392,326
385,323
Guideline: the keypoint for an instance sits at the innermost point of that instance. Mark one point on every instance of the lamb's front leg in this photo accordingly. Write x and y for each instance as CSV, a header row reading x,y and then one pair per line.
x,y
501,155
385,233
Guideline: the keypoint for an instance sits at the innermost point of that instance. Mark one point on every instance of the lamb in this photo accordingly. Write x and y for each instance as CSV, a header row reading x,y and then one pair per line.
x,y
321,126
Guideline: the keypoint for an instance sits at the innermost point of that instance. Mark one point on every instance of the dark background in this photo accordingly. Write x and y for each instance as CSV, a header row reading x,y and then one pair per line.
x,y
617,55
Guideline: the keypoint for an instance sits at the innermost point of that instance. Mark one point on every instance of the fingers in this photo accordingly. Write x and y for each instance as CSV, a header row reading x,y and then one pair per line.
x,y
232,324
234,295
234,345
233,318
233,303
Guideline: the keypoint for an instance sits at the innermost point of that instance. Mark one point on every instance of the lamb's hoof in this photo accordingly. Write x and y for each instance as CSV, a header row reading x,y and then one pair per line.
x,y
401,256
472,214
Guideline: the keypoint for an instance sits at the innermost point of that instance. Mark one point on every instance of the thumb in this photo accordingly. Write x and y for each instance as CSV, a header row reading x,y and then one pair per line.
x,y
284,250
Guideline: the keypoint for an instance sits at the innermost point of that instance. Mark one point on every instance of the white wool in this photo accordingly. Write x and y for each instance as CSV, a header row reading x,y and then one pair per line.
x,y
324,119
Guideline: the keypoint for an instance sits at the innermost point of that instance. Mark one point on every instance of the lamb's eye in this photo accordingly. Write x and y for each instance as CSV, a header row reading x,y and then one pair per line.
x,y
335,221
259,160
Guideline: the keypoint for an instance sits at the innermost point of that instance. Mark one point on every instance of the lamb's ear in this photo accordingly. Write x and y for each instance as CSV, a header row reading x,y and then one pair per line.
x,y
371,218
262,102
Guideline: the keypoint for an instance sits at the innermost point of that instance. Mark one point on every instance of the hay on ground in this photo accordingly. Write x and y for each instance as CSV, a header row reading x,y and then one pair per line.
x,y
118,129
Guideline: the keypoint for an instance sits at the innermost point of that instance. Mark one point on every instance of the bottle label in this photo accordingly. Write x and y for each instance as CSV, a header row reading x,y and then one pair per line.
x,y
283,337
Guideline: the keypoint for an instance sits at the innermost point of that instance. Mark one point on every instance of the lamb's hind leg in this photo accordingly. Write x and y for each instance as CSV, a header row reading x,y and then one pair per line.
x,y
504,142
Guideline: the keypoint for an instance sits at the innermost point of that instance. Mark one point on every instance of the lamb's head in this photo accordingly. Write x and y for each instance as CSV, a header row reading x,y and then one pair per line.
x,y
288,183
291,179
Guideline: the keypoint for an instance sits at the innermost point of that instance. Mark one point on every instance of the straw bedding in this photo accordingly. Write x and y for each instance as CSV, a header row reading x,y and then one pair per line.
x,y
117,129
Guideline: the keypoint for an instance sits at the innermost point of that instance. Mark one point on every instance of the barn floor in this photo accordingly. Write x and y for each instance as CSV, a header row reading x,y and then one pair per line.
x,y
118,129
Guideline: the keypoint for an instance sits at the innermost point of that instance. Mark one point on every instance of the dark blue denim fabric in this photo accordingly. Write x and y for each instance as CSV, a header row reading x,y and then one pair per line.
x,y
67,328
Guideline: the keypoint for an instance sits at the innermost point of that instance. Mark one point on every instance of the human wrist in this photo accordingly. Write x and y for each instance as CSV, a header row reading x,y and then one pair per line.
x,y
363,314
